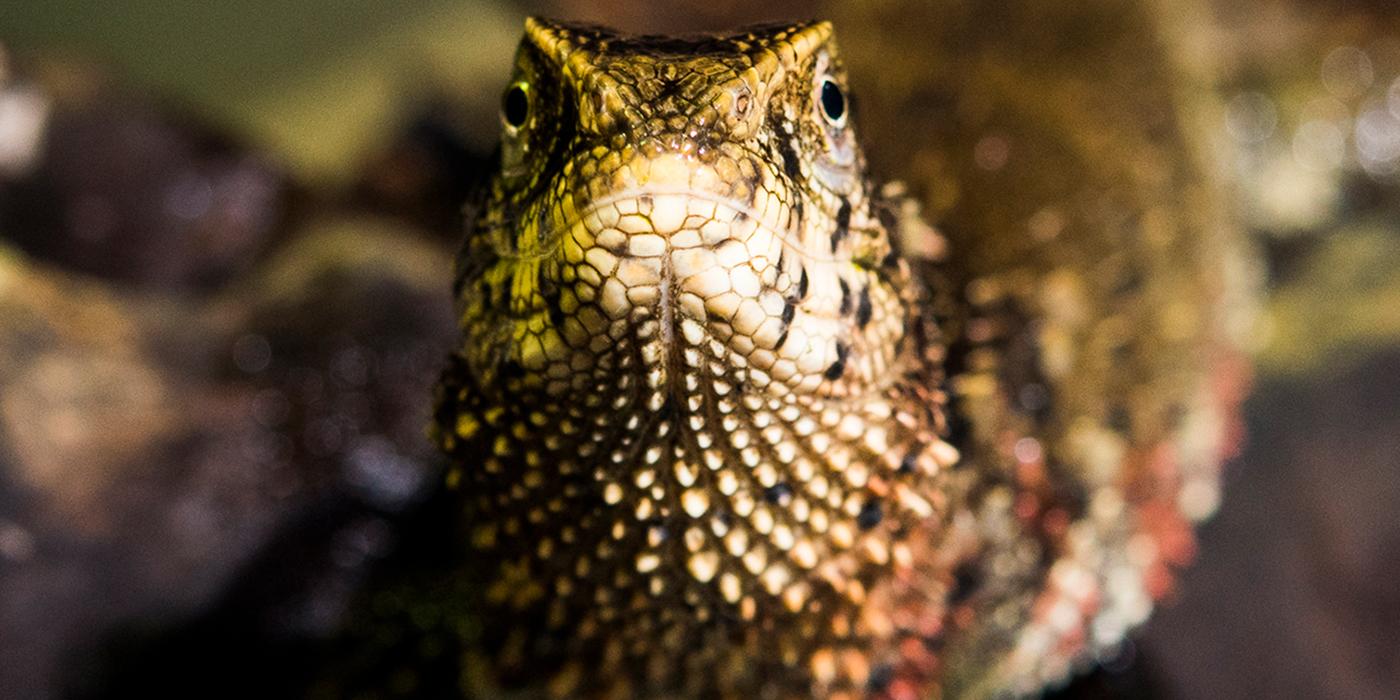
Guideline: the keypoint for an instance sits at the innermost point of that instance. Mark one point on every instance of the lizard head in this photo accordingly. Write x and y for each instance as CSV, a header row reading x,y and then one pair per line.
x,y
658,198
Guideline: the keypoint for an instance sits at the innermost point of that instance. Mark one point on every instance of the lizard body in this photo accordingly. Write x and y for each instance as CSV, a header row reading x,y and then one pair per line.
x,y
699,417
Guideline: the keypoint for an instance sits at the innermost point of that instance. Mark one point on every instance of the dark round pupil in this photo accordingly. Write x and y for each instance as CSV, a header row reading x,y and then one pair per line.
x,y
516,106
833,102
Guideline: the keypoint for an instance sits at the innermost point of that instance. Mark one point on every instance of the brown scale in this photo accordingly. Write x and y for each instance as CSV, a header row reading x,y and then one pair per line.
x,y
698,411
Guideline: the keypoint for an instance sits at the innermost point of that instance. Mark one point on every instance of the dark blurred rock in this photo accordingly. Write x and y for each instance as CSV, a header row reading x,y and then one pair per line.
x,y
118,188
1295,591
162,461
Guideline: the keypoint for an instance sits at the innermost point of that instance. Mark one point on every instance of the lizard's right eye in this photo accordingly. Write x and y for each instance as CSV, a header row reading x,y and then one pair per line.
x,y
515,105
833,103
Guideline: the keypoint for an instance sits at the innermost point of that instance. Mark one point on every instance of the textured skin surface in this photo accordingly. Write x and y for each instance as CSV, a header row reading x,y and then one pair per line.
x,y
698,413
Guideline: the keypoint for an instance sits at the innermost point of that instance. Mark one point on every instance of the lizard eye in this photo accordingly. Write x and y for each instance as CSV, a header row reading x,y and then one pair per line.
x,y
833,103
515,105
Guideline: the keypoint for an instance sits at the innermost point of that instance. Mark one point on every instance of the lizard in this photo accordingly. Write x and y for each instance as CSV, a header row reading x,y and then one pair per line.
x,y
719,417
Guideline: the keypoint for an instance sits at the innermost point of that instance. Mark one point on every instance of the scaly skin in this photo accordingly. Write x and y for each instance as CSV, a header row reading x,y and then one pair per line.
x,y
697,416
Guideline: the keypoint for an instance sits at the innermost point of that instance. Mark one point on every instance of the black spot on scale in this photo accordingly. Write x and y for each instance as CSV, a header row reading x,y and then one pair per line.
x,y
909,463
778,494
656,527
966,579
863,309
959,431
789,310
888,219
802,285
838,367
870,515
845,297
880,678
486,300
556,312
1120,420
843,224
792,167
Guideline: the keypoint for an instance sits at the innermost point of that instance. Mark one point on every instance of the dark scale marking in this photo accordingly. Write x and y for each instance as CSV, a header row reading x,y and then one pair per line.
x,y
1122,352
959,433
487,300
1175,416
512,369
870,515
802,285
888,219
843,224
838,367
880,678
791,164
863,309
1130,282
556,312
845,297
550,292
965,581
507,285
908,464
789,310
778,494
1119,419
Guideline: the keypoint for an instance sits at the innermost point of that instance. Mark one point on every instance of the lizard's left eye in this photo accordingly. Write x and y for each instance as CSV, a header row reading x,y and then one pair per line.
x,y
515,106
833,102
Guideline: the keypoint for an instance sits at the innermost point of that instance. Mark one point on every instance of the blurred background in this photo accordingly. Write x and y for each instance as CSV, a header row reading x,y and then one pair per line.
x,y
226,233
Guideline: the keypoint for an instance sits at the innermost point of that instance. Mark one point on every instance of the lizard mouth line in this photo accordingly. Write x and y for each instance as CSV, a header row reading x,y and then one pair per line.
x,y
735,213
724,210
